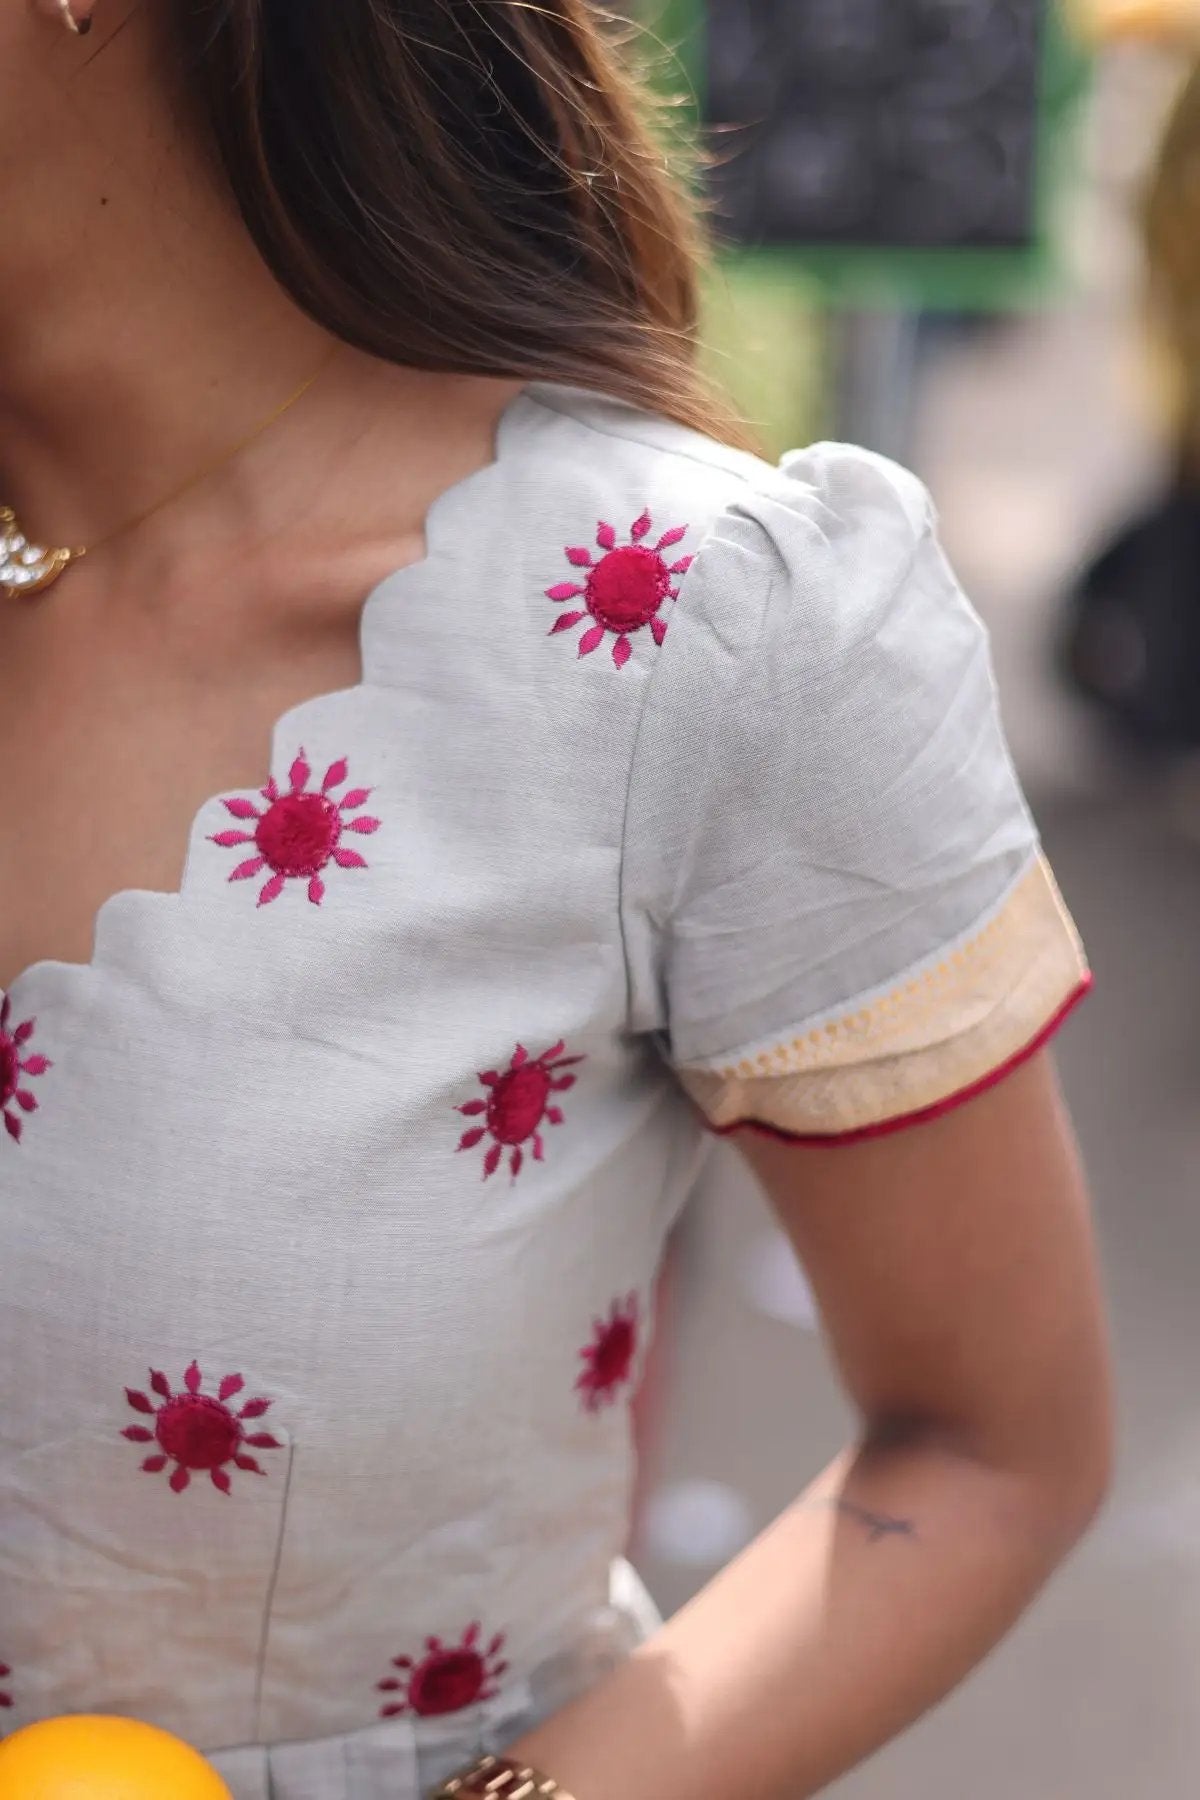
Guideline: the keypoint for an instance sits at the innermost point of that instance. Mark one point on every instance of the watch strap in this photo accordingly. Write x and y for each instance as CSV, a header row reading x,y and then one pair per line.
x,y
498,1778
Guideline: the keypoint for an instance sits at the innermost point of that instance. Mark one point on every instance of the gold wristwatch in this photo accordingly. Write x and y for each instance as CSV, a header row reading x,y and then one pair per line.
x,y
495,1778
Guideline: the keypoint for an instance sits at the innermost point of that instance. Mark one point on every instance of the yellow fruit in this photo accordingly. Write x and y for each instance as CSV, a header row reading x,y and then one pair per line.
x,y
94,1758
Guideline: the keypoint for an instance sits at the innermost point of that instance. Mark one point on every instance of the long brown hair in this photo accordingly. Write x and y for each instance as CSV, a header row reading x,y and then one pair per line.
x,y
468,185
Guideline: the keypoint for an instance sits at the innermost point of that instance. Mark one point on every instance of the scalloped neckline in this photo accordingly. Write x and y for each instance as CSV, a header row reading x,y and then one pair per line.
x,y
440,527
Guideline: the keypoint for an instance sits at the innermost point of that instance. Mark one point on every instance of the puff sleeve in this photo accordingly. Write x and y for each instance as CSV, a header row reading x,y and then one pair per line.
x,y
836,911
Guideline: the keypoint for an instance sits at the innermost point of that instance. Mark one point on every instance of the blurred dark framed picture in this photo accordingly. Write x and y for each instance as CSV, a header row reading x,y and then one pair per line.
x,y
902,137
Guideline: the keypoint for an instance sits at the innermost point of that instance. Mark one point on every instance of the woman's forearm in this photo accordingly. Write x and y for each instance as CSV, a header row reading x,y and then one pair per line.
x,y
856,1611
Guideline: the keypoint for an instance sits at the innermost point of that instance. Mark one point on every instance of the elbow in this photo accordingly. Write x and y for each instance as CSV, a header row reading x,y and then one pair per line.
x,y
1048,1474
1072,1453
1077,1490
1065,1487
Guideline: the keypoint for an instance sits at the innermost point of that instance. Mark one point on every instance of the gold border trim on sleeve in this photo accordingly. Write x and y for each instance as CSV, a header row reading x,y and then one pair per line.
x,y
939,1032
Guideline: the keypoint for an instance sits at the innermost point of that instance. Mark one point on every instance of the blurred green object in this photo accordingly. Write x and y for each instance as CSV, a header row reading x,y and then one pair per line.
x,y
765,342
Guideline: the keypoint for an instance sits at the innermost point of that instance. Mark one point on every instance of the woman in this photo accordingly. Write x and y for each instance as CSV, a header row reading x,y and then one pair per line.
x,y
650,787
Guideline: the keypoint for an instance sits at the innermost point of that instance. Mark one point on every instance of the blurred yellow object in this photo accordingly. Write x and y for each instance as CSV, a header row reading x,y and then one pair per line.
x,y
1172,235
1175,22
95,1758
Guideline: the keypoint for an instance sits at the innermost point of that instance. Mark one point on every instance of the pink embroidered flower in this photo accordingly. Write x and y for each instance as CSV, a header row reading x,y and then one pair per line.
x,y
446,1678
517,1104
199,1433
624,590
6,1699
609,1359
299,833
16,1068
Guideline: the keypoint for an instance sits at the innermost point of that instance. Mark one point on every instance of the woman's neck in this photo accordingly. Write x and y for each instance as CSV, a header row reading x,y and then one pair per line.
x,y
142,338
140,333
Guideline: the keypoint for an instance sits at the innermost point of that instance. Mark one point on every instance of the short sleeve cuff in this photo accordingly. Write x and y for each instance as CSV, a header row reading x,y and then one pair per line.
x,y
946,1032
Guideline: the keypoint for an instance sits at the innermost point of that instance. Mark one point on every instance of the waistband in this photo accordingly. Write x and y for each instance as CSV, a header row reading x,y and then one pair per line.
x,y
404,1759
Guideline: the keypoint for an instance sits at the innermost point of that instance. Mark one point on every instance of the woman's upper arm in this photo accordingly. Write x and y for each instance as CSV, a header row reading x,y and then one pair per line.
x,y
839,920
954,1268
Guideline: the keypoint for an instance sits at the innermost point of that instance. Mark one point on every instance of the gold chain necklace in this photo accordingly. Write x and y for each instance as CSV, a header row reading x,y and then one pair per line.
x,y
29,568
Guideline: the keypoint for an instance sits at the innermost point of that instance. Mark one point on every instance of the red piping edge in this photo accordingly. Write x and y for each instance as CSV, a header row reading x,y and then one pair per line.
x,y
838,1140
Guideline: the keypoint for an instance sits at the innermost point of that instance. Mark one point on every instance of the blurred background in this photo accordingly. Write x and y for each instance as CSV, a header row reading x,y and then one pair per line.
x,y
933,214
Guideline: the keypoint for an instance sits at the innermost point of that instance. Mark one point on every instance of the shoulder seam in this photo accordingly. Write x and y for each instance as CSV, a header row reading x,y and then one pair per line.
x,y
662,924
653,683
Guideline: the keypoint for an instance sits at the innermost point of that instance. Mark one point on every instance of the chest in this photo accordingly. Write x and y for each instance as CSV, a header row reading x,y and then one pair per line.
x,y
356,1008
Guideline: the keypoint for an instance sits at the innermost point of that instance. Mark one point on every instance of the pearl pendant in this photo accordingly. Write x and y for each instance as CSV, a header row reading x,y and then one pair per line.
x,y
25,568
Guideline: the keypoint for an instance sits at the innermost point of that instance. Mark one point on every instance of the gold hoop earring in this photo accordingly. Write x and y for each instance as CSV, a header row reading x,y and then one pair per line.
x,y
79,27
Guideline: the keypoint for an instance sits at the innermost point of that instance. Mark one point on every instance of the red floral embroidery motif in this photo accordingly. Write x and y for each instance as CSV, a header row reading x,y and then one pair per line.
x,y
517,1104
300,833
6,1699
625,590
446,1678
15,1069
199,1433
608,1360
